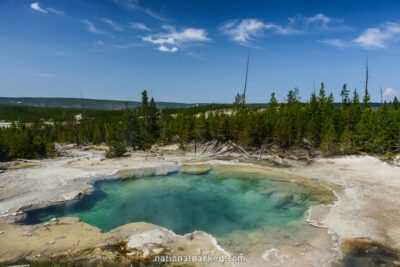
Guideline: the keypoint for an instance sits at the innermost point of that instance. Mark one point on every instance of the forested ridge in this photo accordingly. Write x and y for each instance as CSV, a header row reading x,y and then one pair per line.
x,y
319,124
77,103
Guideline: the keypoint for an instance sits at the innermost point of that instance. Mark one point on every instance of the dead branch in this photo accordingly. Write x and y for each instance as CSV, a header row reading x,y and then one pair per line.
x,y
215,146
205,149
242,150
221,153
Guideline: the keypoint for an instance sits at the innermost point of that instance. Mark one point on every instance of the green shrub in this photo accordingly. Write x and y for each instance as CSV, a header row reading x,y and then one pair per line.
x,y
115,149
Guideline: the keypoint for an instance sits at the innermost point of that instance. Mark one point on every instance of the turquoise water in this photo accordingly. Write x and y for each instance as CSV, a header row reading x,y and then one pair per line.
x,y
219,203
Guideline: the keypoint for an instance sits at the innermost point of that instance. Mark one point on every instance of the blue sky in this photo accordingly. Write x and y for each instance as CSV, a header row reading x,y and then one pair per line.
x,y
196,51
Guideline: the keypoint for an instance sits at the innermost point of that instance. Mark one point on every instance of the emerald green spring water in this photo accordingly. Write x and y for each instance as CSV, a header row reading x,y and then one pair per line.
x,y
219,203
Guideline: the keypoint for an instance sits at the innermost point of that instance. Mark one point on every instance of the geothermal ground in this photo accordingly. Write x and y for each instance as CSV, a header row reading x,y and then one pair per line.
x,y
364,208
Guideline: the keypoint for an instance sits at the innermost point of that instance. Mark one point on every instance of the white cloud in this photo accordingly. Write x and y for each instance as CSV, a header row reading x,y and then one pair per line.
x,y
371,38
160,40
163,48
379,37
35,6
138,26
389,92
56,11
244,31
190,35
177,38
44,74
114,25
248,29
91,27
319,18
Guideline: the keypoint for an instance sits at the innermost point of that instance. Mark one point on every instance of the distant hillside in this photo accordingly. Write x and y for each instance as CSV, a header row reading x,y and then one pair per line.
x,y
75,103
99,104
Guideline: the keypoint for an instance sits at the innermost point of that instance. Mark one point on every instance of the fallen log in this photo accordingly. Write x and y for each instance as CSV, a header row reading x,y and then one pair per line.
x,y
215,146
221,153
276,157
242,150
205,149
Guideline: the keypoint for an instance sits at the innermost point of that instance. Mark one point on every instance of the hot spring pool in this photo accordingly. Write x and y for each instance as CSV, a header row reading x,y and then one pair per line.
x,y
219,202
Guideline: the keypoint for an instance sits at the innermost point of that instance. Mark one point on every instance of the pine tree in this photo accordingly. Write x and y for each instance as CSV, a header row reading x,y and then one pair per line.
x,y
366,100
292,96
115,143
328,143
153,128
355,111
314,122
201,128
322,94
163,128
345,96
395,103
132,129
145,102
239,102
346,144
364,128
273,103
145,119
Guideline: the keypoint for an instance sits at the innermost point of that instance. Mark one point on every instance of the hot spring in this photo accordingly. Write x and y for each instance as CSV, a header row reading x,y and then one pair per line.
x,y
220,202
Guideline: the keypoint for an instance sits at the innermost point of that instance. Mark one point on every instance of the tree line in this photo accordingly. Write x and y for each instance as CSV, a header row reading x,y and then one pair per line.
x,y
319,124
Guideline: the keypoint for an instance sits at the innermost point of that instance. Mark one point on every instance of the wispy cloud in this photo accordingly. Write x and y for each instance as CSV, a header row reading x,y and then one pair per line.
x,y
44,74
319,18
133,5
163,48
335,42
371,38
138,26
247,30
99,43
56,11
89,25
159,40
317,23
244,31
36,6
127,45
91,28
177,39
114,25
